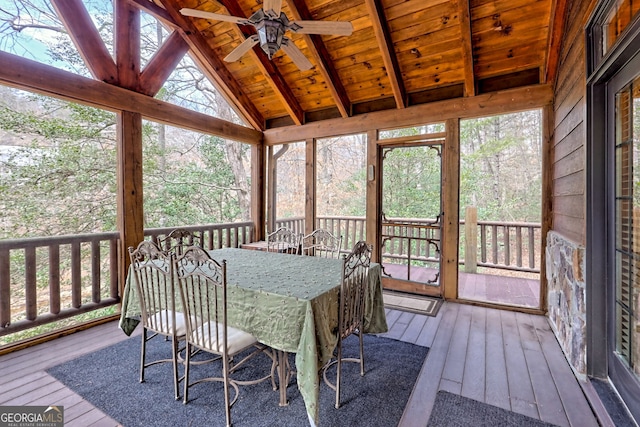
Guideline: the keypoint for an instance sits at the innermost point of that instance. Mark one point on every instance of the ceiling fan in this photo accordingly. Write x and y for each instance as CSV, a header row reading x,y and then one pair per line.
x,y
271,24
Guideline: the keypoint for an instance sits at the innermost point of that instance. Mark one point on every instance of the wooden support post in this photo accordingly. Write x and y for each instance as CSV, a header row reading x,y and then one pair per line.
x,y
548,126
471,240
310,186
450,206
129,194
374,195
258,191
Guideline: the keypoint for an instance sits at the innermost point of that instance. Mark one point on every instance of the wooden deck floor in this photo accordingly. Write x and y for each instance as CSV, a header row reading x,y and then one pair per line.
x,y
506,359
493,288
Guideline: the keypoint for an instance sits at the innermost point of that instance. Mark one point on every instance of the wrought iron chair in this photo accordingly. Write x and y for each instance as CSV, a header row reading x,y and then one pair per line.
x,y
203,291
321,243
355,271
178,239
153,275
283,240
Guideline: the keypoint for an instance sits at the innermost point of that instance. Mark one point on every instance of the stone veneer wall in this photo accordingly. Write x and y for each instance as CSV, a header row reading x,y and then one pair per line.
x,y
567,298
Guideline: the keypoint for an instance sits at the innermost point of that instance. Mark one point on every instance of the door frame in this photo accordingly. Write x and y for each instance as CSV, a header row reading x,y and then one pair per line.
x,y
408,285
605,75
448,288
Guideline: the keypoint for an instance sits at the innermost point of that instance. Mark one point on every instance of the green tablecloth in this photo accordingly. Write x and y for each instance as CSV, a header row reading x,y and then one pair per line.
x,y
288,302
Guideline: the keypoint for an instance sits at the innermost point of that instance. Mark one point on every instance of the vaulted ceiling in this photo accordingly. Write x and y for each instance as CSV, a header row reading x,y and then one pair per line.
x,y
401,53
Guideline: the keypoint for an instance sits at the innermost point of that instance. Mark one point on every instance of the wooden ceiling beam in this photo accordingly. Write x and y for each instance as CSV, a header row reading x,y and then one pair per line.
x,y
126,23
87,40
154,10
502,102
267,67
464,14
387,51
213,67
319,51
162,64
554,41
33,76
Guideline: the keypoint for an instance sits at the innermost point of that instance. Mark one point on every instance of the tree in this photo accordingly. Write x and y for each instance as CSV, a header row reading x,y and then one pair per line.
x,y
70,156
501,165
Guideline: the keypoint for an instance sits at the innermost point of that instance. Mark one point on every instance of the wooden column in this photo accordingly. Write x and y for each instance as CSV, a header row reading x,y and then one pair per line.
x,y
450,207
258,188
271,172
127,44
547,195
310,186
129,194
374,195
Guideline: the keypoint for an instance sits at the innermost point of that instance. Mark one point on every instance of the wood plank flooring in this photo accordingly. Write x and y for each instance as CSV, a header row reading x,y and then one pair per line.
x,y
506,359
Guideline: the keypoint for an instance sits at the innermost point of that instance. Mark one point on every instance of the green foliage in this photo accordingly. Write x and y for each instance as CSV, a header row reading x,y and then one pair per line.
x,y
63,180
195,186
500,166
411,183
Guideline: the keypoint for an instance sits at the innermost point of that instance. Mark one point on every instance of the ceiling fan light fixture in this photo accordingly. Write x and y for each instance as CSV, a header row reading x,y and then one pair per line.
x,y
270,33
271,24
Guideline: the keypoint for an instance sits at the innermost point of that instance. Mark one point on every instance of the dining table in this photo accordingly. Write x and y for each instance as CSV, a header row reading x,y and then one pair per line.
x,y
289,303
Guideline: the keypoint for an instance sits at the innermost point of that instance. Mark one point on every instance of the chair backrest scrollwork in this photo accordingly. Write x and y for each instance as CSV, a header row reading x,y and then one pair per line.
x,y
153,275
355,276
321,243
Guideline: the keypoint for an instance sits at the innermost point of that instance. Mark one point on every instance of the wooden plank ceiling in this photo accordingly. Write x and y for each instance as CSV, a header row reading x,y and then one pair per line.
x,y
401,53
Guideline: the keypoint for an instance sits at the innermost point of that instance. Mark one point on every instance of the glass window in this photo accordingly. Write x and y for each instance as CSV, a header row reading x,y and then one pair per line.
x,y
618,19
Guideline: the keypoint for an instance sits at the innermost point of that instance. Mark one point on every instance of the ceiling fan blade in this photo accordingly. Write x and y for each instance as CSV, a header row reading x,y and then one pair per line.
x,y
272,7
337,28
242,48
296,55
213,16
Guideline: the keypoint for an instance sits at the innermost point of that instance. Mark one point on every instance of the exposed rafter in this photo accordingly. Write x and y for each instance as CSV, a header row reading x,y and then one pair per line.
x,y
558,17
127,45
269,70
464,14
154,10
85,36
162,64
379,22
214,68
51,81
399,54
299,10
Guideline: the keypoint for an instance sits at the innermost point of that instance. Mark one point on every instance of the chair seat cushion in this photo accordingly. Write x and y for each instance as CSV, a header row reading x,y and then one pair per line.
x,y
164,322
237,340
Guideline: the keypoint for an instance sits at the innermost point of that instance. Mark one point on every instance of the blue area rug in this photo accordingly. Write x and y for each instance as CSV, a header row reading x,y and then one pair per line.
x,y
109,379
452,410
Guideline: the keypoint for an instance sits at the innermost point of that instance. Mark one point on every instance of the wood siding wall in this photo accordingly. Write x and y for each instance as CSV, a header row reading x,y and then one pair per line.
x,y
568,153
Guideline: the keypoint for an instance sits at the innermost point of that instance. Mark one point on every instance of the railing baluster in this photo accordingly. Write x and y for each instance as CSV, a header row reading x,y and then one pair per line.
x,y
5,288
76,275
113,268
519,246
532,247
507,247
483,243
31,290
95,271
54,279
494,243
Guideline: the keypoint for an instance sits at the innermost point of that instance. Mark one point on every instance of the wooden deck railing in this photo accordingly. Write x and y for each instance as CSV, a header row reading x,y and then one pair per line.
x,y
499,244
43,280
351,228
214,236
47,279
